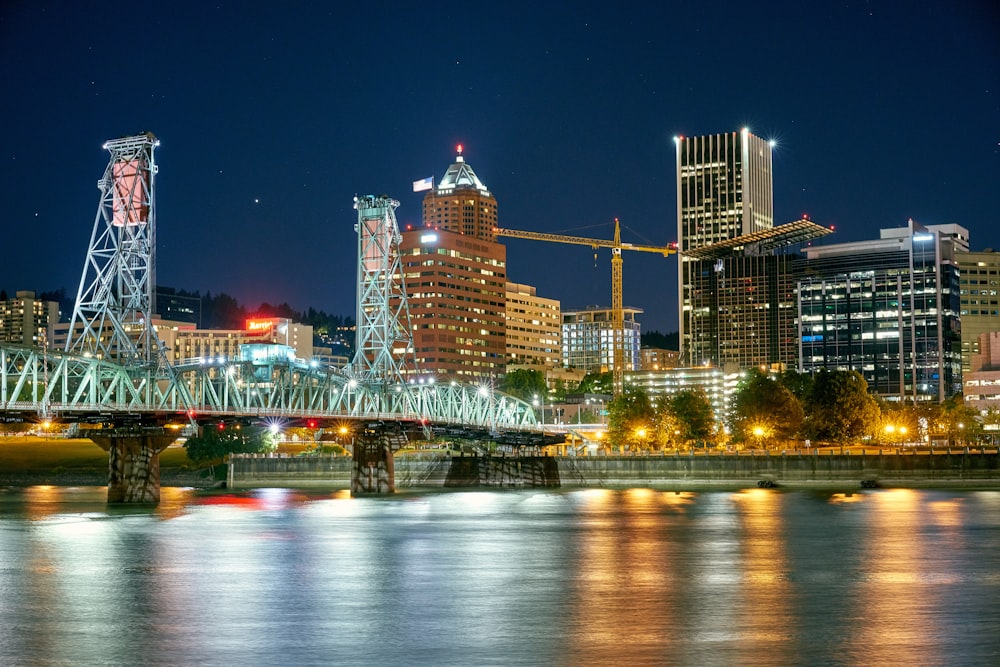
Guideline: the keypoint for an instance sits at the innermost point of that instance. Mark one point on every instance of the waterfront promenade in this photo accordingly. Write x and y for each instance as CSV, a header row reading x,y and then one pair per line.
x,y
795,469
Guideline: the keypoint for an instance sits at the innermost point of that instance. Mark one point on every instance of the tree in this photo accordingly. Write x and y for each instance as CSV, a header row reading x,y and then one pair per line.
x,y
526,384
213,444
764,410
593,383
631,418
839,407
667,341
800,384
899,424
694,416
961,422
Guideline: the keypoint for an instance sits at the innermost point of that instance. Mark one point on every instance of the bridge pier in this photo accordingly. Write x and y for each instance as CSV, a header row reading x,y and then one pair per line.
x,y
373,471
133,464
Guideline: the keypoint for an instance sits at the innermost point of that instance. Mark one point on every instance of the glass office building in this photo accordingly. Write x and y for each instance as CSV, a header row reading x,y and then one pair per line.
x,y
888,308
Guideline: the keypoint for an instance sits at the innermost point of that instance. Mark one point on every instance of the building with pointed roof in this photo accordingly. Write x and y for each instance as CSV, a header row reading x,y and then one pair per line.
x,y
461,203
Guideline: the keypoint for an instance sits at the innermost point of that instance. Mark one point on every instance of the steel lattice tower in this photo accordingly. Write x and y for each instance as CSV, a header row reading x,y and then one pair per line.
x,y
385,336
112,318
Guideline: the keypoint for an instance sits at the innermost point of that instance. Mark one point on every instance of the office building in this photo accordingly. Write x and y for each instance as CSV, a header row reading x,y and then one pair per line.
x,y
981,383
456,289
724,191
588,339
460,203
718,385
741,311
656,359
979,287
183,342
533,328
25,320
888,308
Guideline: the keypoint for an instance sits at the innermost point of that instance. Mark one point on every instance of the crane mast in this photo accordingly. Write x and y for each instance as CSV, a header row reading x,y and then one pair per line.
x,y
617,308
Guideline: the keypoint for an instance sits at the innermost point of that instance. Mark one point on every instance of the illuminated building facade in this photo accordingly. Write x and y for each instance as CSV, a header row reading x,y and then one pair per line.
x,y
183,342
979,288
24,320
656,359
719,386
981,383
724,190
888,308
456,287
741,310
533,328
460,203
588,339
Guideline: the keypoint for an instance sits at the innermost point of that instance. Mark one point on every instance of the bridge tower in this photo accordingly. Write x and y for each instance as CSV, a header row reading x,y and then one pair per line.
x,y
114,305
112,316
385,336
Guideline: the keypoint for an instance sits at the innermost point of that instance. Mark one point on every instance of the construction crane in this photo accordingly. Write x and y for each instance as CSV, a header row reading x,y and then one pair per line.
x,y
617,310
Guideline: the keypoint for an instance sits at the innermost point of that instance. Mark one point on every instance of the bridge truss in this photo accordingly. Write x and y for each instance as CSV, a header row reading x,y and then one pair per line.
x,y
59,385
114,365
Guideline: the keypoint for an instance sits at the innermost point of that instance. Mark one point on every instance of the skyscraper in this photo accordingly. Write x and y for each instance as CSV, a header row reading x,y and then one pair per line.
x,y
724,190
461,203
456,277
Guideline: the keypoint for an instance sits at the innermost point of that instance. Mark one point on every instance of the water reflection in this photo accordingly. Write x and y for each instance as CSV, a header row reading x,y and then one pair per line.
x,y
586,577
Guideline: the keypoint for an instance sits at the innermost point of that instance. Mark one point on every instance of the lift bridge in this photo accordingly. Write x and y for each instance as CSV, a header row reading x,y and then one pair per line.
x,y
114,368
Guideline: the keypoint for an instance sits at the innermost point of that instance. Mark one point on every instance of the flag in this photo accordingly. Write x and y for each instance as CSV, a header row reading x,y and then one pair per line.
x,y
424,184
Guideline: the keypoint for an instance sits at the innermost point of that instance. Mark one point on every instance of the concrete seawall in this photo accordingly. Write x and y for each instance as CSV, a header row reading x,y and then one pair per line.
x,y
438,470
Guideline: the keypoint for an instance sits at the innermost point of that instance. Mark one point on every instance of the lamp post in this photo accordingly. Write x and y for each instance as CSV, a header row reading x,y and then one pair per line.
x,y
534,403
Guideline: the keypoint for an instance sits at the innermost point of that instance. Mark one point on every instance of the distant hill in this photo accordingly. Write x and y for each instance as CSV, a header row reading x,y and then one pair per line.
x,y
667,341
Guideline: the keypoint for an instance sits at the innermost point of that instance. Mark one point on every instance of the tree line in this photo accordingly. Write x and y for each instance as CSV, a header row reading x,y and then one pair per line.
x,y
783,410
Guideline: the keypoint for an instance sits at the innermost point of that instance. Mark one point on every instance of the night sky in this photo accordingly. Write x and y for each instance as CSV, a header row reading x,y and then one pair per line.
x,y
272,116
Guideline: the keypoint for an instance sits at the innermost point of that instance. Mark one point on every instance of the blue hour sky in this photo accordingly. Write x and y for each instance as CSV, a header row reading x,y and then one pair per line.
x,y
272,116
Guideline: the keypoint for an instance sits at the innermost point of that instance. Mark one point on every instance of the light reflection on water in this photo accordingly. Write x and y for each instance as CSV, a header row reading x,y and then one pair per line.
x,y
474,578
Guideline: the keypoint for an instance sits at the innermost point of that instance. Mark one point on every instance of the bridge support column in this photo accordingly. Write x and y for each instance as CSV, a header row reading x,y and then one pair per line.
x,y
133,465
373,470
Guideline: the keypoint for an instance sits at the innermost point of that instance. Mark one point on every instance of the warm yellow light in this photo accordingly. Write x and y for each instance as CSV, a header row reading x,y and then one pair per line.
x,y
890,428
640,432
758,431
343,430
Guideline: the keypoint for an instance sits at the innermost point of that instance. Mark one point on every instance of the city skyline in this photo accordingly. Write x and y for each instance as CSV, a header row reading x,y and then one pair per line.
x,y
271,121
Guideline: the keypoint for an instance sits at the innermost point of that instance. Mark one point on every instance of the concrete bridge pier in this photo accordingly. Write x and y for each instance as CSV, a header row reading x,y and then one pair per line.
x,y
133,464
373,471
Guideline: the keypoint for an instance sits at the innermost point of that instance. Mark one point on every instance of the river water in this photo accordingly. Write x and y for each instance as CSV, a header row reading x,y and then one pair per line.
x,y
592,577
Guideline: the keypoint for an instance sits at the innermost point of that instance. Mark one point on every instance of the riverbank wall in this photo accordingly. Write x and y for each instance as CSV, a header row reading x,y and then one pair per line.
x,y
808,469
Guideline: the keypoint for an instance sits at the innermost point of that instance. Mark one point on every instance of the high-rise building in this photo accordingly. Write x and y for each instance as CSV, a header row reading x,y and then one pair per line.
x,y
588,339
724,191
25,320
533,328
460,203
741,309
980,297
888,308
456,289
